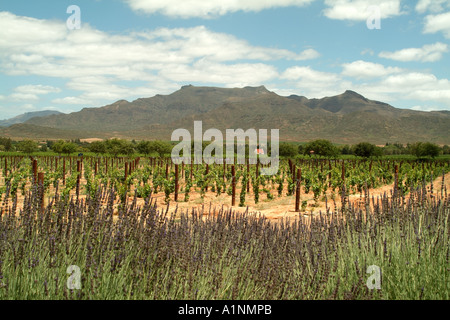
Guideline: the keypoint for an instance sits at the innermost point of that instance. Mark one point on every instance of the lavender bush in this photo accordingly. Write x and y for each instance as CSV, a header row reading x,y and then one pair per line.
x,y
146,253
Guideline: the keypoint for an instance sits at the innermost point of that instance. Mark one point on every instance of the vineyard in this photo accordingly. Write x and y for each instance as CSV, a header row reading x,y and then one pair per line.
x,y
145,228
299,186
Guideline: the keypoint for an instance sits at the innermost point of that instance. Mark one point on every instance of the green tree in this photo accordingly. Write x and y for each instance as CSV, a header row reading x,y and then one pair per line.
x,y
97,147
425,149
321,147
58,146
6,143
161,147
69,147
346,149
144,147
287,150
301,149
27,146
127,148
366,150
117,146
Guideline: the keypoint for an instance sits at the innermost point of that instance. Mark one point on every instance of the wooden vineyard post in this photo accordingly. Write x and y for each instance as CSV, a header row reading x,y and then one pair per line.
x,y
126,171
343,195
329,173
167,170
64,171
395,180
78,178
34,171
206,173
293,172
176,182
248,175
95,168
233,183
224,169
182,170
257,169
297,190
41,190
6,167
136,162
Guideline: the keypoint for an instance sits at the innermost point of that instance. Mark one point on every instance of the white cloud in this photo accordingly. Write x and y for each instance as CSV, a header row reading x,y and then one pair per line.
x,y
27,107
297,72
427,108
37,89
413,86
358,10
24,31
209,8
23,96
212,72
410,80
363,69
434,6
71,100
31,92
314,83
438,23
99,64
370,52
428,53
308,54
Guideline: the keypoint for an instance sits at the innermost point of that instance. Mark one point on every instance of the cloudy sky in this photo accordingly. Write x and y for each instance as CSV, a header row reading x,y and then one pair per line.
x,y
396,52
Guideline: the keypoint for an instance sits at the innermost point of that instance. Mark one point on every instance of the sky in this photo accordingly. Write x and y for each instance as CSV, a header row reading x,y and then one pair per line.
x,y
69,55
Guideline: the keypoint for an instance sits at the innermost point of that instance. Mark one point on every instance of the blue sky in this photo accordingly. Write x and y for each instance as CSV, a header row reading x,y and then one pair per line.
x,y
129,49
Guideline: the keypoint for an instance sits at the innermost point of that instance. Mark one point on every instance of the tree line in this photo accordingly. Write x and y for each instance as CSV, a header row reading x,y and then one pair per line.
x,y
326,148
319,147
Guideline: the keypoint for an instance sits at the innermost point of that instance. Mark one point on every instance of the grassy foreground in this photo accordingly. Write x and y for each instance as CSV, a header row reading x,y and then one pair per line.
x,y
144,253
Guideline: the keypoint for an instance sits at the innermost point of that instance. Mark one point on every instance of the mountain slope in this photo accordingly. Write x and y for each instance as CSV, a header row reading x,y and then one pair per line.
x,y
27,116
160,109
345,118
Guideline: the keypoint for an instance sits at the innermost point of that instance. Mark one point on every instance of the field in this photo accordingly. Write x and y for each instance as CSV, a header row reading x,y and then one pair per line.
x,y
145,228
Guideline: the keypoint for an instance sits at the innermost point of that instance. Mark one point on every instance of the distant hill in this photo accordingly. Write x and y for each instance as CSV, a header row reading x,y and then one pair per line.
x,y
30,131
345,118
27,116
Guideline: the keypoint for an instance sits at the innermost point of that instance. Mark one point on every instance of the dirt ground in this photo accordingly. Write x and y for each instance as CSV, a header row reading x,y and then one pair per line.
x,y
277,208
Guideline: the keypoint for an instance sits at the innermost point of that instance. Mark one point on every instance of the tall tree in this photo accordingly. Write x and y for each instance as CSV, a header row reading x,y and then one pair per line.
x,y
321,147
27,146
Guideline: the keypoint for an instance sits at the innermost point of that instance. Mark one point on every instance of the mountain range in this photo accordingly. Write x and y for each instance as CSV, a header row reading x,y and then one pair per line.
x,y
27,116
346,118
